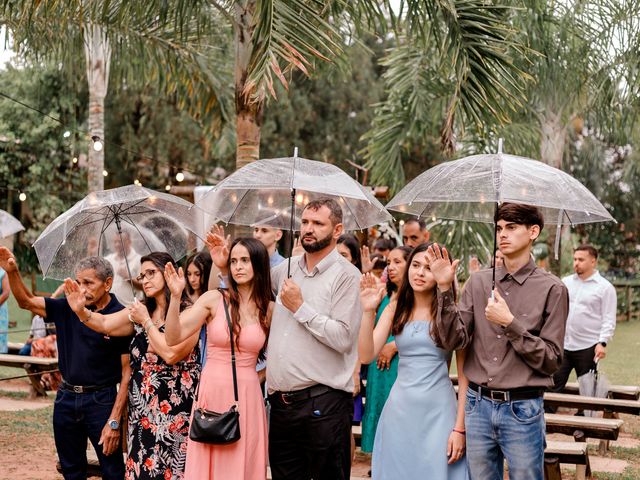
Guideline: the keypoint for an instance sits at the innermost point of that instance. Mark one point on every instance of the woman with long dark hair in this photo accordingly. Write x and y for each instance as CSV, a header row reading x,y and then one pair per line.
x,y
382,372
163,377
250,306
197,269
421,428
349,247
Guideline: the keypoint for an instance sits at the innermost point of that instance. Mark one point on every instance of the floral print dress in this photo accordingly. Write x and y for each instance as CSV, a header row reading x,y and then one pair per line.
x,y
160,401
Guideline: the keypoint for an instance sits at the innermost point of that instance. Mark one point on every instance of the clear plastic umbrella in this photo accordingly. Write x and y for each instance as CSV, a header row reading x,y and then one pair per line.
x,y
266,192
261,193
471,188
9,225
95,225
593,384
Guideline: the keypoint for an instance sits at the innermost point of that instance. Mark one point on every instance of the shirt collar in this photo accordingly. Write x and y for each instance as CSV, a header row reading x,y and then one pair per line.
x,y
593,278
323,265
520,276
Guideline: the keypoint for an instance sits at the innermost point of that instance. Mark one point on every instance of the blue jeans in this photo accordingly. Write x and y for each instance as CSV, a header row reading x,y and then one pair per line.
x,y
76,417
497,431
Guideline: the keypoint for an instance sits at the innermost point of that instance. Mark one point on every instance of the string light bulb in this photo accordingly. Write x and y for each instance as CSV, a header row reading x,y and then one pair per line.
x,y
401,222
179,176
137,182
75,160
22,197
97,143
66,134
104,173
167,187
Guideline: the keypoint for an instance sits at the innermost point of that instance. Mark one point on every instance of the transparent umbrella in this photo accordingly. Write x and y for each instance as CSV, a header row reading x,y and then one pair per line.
x,y
95,225
266,192
9,225
471,189
593,384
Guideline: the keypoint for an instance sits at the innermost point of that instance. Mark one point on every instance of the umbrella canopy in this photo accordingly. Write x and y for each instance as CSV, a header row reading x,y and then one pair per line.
x,y
261,194
9,225
593,384
95,225
469,188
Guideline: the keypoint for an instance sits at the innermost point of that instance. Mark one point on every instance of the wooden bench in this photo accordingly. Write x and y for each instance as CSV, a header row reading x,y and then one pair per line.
x,y
568,453
621,392
610,405
14,347
34,366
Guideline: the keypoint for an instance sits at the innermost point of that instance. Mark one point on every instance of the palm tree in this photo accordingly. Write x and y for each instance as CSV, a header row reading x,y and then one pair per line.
x,y
170,43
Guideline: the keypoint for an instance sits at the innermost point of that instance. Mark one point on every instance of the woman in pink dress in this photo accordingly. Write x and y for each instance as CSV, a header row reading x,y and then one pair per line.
x,y
250,305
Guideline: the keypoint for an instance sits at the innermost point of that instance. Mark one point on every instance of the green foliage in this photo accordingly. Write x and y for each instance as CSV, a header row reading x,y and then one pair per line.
x,y
35,157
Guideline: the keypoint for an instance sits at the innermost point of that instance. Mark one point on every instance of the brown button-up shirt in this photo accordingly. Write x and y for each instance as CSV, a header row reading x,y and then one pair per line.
x,y
528,351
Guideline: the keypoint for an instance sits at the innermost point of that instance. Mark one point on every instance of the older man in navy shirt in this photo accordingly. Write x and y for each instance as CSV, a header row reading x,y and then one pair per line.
x,y
88,404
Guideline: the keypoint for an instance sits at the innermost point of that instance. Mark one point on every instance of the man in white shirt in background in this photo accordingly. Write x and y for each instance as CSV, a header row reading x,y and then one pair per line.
x,y
122,281
592,316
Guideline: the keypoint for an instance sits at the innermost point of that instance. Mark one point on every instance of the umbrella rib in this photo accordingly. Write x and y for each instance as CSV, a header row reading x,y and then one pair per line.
x,y
238,205
353,215
127,219
135,204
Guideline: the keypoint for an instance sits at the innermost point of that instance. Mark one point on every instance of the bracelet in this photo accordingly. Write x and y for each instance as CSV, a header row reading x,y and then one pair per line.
x,y
461,432
88,318
146,322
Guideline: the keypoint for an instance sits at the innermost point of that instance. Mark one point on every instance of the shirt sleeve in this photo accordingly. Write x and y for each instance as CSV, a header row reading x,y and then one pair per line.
x,y
609,312
338,329
543,352
455,323
56,309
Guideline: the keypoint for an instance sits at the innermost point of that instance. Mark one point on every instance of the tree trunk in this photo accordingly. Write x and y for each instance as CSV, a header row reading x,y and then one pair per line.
x,y
249,111
98,59
551,151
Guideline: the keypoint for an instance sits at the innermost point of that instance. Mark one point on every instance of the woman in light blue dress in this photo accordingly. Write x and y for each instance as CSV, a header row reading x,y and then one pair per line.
x,y
4,311
421,430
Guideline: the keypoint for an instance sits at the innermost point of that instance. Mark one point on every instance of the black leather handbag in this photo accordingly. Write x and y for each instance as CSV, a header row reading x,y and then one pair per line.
x,y
213,427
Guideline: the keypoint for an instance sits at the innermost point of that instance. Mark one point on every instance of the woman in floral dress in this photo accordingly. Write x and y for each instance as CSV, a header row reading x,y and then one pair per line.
x,y
163,379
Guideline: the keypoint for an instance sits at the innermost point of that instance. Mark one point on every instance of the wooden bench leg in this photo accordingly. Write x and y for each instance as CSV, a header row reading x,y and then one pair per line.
x,y
603,446
552,468
37,389
582,471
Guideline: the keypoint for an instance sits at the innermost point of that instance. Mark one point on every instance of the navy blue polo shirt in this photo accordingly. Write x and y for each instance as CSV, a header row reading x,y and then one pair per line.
x,y
86,357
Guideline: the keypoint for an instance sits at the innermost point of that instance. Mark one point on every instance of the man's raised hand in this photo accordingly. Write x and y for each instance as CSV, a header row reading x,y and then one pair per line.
x,y
7,260
75,297
441,266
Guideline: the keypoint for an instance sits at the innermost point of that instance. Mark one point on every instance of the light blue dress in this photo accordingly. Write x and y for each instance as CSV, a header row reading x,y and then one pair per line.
x,y
411,439
4,320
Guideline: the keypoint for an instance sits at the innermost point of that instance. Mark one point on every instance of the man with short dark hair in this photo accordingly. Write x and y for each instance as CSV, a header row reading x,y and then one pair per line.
x,y
592,316
312,353
514,346
383,246
87,405
414,232
269,237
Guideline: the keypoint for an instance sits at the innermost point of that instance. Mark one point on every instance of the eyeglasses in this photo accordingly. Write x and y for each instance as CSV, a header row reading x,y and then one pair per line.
x,y
148,274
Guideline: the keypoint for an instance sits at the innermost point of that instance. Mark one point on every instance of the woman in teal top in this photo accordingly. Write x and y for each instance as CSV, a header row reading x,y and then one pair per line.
x,y
382,375
4,311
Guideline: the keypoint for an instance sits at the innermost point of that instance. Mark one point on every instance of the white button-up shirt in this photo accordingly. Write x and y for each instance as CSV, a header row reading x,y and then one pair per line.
x,y
592,311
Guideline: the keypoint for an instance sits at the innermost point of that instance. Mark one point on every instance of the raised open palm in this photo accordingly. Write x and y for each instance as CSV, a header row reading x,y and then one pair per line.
x,y
75,297
372,291
175,279
441,266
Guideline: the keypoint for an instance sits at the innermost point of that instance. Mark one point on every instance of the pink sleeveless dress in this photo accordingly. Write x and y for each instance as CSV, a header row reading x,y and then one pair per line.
x,y
247,458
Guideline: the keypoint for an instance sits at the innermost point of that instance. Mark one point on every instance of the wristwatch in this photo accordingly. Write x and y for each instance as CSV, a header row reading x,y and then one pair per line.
x,y
604,344
113,424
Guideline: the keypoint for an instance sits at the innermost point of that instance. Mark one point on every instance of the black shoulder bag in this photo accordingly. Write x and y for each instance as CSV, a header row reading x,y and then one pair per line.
x,y
213,427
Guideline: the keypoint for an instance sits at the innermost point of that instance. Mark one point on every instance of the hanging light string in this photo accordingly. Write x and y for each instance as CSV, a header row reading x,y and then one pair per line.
x,y
98,143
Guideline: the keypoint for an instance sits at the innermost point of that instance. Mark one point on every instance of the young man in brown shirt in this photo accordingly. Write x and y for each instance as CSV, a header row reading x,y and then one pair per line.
x,y
514,344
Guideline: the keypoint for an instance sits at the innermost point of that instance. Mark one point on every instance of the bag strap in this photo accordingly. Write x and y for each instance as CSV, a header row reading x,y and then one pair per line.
x,y
233,352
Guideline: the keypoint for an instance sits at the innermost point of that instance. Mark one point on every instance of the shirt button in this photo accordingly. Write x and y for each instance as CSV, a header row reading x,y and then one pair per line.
x,y
506,293
495,359
499,336
490,379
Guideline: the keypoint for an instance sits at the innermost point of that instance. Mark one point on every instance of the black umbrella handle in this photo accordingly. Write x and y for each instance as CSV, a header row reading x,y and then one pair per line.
x,y
495,249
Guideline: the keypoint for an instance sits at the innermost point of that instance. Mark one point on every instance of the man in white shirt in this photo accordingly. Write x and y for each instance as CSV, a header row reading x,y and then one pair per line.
x,y
592,316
